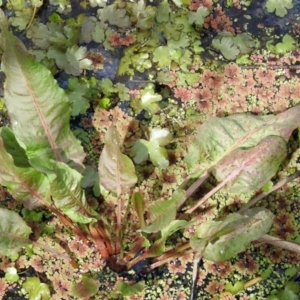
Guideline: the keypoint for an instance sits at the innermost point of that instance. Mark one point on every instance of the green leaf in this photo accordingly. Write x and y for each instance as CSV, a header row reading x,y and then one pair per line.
x,y
90,177
139,151
244,42
148,100
158,154
75,61
198,244
65,189
14,232
35,289
161,136
98,33
138,205
236,288
218,137
288,44
77,88
24,183
114,16
227,47
13,148
55,34
159,246
85,288
259,164
116,170
162,215
180,3
199,16
11,275
42,126
143,14
280,7
163,12
87,28
161,55
106,86
233,235
292,286
123,91
127,289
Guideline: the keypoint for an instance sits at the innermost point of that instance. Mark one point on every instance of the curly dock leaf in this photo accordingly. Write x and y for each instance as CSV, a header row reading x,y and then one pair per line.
x,y
24,183
232,235
65,189
116,170
218,137
38,108
14,232
260,163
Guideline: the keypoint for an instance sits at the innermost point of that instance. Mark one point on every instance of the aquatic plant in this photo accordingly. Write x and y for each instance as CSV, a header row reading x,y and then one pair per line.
x,y
42,166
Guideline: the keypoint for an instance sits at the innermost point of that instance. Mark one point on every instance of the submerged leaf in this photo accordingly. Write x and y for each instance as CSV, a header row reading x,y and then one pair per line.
x,y
116,170
38,108
14,232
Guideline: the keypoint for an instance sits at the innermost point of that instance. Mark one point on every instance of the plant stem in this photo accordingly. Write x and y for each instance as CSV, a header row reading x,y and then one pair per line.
x,y
99,242
123,229
197,258
275,241
171,255
278,185
74,227
118,226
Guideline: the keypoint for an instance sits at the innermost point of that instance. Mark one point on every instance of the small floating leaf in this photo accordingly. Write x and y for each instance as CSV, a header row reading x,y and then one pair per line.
x,y
87,287
127,289
279,7
35,289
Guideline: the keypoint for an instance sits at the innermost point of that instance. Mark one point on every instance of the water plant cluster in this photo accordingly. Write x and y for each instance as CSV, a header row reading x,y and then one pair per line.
x,y
150,151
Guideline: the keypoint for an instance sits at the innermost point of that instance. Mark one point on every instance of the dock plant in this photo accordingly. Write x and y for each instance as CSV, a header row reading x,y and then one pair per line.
x,y
43,166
